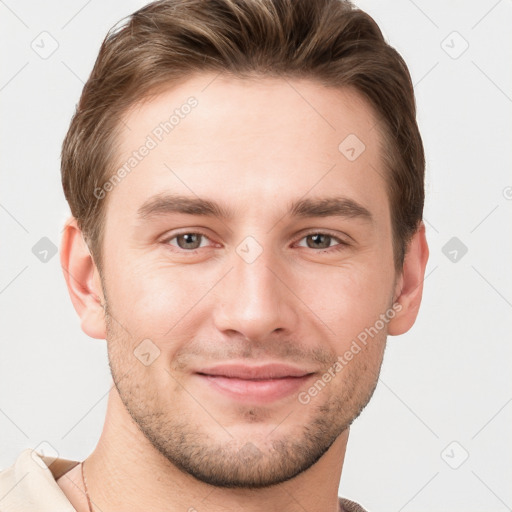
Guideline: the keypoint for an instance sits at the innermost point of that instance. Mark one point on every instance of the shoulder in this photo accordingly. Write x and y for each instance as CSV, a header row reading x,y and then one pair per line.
x,y
29,485
350,506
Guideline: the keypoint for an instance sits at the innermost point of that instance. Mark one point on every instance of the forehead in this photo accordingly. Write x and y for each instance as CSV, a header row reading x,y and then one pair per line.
x,y
259,139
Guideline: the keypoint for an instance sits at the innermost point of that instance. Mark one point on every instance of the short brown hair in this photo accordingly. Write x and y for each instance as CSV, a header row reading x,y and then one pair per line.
x,y
165,42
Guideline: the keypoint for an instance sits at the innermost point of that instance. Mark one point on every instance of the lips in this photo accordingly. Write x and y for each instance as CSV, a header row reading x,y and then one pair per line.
x,y
260,372
262,383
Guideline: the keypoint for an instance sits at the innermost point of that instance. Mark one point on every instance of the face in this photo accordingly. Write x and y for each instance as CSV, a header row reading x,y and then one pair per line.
x,y
247,253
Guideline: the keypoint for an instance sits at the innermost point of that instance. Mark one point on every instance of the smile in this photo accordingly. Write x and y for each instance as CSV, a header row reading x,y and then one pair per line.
x,y
264,383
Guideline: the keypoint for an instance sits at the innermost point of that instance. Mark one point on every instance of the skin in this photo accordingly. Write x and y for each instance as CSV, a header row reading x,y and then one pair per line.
x,y
170,441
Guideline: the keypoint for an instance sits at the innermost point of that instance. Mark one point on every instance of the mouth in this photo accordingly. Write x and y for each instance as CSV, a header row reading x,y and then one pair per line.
x,y
263,383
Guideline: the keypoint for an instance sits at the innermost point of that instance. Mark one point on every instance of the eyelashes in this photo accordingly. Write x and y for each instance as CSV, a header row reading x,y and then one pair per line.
x,y
192,237
341,243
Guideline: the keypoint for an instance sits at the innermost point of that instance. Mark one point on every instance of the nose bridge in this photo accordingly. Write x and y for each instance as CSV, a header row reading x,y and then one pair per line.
x,y
254,299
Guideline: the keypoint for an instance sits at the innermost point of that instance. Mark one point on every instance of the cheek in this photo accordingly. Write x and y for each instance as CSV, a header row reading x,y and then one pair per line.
x,y
154,299
348,298
157,301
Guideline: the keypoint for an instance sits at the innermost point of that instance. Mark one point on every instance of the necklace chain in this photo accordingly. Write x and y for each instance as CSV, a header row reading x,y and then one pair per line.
x,y
89,499
85,487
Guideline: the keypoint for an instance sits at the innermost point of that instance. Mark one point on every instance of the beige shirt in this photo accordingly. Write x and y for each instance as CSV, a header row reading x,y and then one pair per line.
x,y
30,485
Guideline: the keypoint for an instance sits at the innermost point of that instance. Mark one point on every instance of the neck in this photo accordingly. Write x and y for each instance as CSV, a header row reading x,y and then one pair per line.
x,y
126,473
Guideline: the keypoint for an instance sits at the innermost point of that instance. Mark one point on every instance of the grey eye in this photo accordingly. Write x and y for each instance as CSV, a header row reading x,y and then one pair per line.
x,y
188,240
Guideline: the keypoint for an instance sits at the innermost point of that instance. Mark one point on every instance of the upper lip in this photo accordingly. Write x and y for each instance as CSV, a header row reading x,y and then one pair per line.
x,y
261,371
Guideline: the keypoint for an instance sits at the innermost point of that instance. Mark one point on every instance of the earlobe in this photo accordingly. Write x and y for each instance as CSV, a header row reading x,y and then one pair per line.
x,y
409,287
83,281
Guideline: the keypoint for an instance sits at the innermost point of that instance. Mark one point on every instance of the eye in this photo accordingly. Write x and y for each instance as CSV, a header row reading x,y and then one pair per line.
x,y
188,241
322,241
191,241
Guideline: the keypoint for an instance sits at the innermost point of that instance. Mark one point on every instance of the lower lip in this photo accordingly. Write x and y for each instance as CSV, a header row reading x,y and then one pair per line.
x,y
256,390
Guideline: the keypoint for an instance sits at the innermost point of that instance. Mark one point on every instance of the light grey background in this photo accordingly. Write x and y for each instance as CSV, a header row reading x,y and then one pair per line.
x,y
444,391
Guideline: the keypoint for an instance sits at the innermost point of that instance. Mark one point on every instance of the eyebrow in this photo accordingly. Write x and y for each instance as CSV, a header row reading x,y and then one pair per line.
x,y
166,204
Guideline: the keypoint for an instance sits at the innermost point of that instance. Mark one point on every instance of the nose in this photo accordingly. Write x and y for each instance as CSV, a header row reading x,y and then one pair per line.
x,y
255,299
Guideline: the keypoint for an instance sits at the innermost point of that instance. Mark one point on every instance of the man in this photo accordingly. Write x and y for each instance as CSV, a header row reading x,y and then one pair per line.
x,y
246,185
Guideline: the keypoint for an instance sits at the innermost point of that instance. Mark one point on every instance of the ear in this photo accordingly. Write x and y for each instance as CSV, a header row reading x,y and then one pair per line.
x,y
409,286
83,281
